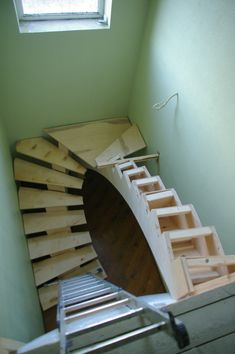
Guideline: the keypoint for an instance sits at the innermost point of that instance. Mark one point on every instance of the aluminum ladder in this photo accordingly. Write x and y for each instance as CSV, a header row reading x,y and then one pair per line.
x,y
95,316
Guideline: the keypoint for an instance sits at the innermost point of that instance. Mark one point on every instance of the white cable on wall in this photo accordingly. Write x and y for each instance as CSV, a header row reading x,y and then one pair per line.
x,y
162,104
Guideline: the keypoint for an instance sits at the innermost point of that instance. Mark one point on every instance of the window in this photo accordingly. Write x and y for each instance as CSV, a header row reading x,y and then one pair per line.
x,y
54,13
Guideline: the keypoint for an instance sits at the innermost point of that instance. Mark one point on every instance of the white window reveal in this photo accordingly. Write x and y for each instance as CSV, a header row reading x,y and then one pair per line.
x,y
62,15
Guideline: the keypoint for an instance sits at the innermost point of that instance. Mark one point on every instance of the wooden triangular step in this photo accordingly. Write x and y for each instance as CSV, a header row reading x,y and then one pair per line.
x,y
162,199
54,266
30,172
48,294
174,218
129,142
205,273
38,222
200,241
31,198
48,244
41,149
88,140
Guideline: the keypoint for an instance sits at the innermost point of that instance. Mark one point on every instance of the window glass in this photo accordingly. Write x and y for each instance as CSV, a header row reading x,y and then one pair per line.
x,y
32,7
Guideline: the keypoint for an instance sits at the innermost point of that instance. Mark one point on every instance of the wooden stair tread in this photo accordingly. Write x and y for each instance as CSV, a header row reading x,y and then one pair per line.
x,y
171,211
41,149
32,198
190,233
54,266
88,140
129,142
38,222
29,172
48,244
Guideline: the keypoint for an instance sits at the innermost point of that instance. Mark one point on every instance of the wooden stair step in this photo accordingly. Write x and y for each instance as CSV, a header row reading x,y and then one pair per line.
x,y
41,149
54,266
136,173
48,244
48,294
203,241
162,199
129,142
38,222
29,172
88,140
176,218
32,198
149,184
195,268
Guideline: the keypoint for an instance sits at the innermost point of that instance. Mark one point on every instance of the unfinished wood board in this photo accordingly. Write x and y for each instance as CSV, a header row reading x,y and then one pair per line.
x,y
48,244
41,149
201,241
129,142
31,198
38,222
162,199
130,159
29,172
149,185
53,267
88,140
48,294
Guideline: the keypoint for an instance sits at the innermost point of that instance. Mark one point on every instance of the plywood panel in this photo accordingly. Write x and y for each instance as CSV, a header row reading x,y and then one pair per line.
x,y
52,267
56,242
42,149
31,198
37,222
88,140
129,142
30,172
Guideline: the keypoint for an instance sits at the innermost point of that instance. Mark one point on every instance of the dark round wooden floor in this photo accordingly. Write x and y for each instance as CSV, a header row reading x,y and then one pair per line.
x,y
118,239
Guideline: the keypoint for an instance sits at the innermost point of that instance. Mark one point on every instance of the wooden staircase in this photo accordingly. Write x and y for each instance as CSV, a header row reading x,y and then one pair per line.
x,y
50,177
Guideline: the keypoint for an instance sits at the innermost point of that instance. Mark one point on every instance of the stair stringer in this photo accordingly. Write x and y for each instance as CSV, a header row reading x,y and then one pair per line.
x,y
172,272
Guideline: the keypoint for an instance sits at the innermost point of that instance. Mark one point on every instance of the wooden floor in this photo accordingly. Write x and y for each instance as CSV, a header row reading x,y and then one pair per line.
x,y
118,241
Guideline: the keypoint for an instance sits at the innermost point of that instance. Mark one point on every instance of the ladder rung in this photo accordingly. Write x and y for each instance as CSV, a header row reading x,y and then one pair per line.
x,y
109,344
87,296
76,279
98,309
82,292
107,321
77,282
91,302
82,284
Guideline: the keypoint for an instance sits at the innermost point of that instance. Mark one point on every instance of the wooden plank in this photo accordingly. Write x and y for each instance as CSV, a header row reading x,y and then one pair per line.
x,y
53,267
29,172
172,211
178,235
88,140
56,242
38,222
41,149
211,261
148,185
48,294
126,160
129,142
31,198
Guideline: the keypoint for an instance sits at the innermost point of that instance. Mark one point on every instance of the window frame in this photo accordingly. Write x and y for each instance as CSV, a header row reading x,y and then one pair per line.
x,y
60,16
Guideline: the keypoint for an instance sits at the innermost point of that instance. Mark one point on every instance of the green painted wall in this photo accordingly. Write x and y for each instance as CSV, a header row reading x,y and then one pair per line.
x,y
53,79
189,48
20,314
